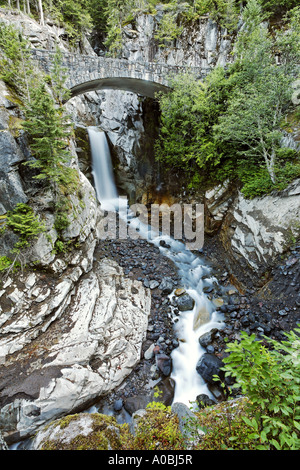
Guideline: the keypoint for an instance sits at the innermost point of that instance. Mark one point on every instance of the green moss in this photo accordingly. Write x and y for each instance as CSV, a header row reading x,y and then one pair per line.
x,y
13,97
105,434
224,427
15,125
82,140
64,422
158,430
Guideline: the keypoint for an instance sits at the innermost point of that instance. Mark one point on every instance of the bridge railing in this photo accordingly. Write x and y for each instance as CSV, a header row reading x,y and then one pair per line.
x,y
71,60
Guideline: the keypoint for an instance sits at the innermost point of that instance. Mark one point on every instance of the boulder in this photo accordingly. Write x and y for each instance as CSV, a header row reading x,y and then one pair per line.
x,y
138,402
203,400
164,364
166,389
207,338
118,405
84,431
163,392
186,418
184,302
153,284
208,366
166,286
255,232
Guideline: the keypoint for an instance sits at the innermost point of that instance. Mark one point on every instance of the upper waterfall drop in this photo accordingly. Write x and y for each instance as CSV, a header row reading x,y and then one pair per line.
x,y
102,169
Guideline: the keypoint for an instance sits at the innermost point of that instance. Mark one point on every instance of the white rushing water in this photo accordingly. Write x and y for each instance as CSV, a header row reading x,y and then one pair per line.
x,y
191,269
101,165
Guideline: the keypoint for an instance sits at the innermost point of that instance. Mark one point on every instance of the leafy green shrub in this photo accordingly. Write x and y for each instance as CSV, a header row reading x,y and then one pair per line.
x,y
5,262
224,427
270,378
258,183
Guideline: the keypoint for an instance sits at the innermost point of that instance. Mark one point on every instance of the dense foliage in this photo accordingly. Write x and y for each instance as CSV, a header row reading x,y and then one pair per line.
x,y
27,226
109,16
270,378
231,125
15,64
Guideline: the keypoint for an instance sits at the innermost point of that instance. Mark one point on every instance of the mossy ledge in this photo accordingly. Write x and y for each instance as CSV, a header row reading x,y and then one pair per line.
x,y
83,431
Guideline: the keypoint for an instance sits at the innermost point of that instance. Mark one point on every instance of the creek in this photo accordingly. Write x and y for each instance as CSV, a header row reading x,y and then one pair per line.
x,y
191,268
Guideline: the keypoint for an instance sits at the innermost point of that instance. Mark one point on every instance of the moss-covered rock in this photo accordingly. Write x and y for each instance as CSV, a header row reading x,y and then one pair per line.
x,y
82,431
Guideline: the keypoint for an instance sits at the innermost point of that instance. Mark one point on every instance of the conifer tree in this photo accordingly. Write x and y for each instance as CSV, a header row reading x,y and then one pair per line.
x,y
49,132
15,60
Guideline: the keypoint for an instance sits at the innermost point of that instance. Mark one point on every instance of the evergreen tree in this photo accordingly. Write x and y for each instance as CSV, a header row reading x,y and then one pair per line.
x,y
49,132
58,79
15,60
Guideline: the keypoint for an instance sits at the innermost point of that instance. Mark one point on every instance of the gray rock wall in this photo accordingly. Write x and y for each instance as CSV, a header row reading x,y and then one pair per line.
x,y
12,187
254,232
202,44
67,342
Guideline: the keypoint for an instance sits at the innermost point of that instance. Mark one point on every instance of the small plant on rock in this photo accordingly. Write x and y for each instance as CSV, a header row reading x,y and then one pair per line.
x,y
23,222
158,429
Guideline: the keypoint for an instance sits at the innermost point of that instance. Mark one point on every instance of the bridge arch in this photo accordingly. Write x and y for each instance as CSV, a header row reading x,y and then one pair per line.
x,y
135,85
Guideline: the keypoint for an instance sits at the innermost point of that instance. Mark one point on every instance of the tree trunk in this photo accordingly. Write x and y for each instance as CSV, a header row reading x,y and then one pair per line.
x,y
271,164
269,159
41,12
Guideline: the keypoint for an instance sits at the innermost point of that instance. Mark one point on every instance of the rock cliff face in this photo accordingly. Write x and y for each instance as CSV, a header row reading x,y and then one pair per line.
x,y
66,341
131,121
12,189
70,330
202,43
253,232
73,330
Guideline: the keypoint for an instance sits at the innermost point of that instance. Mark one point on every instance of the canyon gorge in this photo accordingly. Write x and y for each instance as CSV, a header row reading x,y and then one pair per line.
x,y
104,323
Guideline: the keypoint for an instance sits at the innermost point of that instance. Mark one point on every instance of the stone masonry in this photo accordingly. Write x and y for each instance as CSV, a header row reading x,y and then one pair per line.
x,y
89,73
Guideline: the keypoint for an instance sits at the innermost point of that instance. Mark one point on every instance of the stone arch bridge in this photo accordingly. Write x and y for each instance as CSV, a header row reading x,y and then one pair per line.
x,y
89,73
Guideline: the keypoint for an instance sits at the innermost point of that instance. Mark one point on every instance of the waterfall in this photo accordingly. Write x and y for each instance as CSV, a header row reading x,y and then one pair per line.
x,y
193,323
101,165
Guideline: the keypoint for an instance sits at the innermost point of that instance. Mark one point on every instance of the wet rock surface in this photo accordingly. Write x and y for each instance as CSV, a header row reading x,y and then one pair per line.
x,y
268,307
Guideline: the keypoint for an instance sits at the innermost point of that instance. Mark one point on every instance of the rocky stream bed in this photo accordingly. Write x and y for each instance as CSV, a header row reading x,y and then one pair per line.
x,y
270,308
